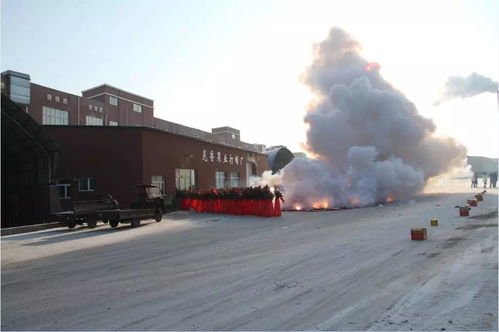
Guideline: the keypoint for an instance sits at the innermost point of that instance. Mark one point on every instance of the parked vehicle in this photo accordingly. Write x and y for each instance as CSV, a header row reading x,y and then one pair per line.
x,y
150,204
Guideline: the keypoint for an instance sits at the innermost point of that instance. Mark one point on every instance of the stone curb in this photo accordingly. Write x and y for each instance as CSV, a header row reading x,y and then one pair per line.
x,y
30,228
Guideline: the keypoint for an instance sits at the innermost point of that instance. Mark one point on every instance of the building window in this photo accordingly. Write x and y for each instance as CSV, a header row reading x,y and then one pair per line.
x,y
94,121
100,109
89,107
184,179
113,100
233,136
64,100
52,116
49,96
20,91
95,108
157,180
137,108
219,179
57,99
64,188
113,123
234,179
86,184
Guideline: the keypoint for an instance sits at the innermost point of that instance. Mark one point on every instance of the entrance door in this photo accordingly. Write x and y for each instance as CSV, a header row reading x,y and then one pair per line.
x,y
250,172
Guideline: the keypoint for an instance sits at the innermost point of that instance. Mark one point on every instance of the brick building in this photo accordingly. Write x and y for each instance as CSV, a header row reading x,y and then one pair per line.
x,y
113,160
103,105
111,141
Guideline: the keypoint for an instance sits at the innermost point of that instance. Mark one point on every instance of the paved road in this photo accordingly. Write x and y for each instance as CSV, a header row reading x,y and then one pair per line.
x,y
340,270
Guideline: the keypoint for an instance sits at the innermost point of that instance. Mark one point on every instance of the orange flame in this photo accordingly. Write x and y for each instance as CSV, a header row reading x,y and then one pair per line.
x,y
371,66
298,207
354,201
320,205
389,199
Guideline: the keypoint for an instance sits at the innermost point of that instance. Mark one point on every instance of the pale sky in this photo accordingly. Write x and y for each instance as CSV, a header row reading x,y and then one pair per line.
x,y
238,63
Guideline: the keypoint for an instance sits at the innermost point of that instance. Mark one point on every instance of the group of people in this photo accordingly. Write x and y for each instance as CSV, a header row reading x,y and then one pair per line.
x,y
257,201
491,178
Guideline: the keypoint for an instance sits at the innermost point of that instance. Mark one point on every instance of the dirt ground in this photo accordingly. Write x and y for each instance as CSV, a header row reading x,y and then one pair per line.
x,y
337,270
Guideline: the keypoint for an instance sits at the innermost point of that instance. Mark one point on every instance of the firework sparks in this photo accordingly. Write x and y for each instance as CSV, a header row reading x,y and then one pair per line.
x,y
320,205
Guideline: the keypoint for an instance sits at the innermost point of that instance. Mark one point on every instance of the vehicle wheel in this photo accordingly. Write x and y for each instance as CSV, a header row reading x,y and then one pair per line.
x,y
71,224
158,217
113,223
135,223
92,223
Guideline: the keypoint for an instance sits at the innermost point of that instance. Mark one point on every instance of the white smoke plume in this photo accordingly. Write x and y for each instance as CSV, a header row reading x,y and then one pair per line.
x,y
369,143
267,178
466,87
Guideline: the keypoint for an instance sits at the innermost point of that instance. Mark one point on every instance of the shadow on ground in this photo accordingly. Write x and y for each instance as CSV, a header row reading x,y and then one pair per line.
x,y
61,235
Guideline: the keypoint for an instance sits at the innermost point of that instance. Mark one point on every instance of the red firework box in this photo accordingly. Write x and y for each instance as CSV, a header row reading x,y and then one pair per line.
x,y
464,211
472,202
418,234
479,197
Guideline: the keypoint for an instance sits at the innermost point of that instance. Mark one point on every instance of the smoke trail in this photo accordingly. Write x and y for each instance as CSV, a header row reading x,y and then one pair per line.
x,y
370,143
465,87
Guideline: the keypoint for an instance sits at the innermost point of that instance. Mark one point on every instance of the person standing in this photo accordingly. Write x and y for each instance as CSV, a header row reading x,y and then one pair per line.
x,y
484,178
474,180
277,204
493,180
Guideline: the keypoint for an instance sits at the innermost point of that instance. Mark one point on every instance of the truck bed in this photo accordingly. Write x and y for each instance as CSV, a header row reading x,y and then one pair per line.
x,y
130,214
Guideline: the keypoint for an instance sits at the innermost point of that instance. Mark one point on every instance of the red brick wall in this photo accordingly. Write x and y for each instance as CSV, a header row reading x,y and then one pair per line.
x,y
121,157
163,152
112,156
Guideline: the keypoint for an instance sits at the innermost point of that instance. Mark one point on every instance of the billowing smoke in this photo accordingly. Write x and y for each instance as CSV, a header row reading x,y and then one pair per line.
x,y
465,87
369,143
267,178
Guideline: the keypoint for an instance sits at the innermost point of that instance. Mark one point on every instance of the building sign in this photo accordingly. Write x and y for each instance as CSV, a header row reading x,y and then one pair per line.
x,y
218,157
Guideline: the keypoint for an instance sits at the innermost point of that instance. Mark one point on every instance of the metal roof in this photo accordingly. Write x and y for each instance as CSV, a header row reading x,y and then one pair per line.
x,y
23,139
16,73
